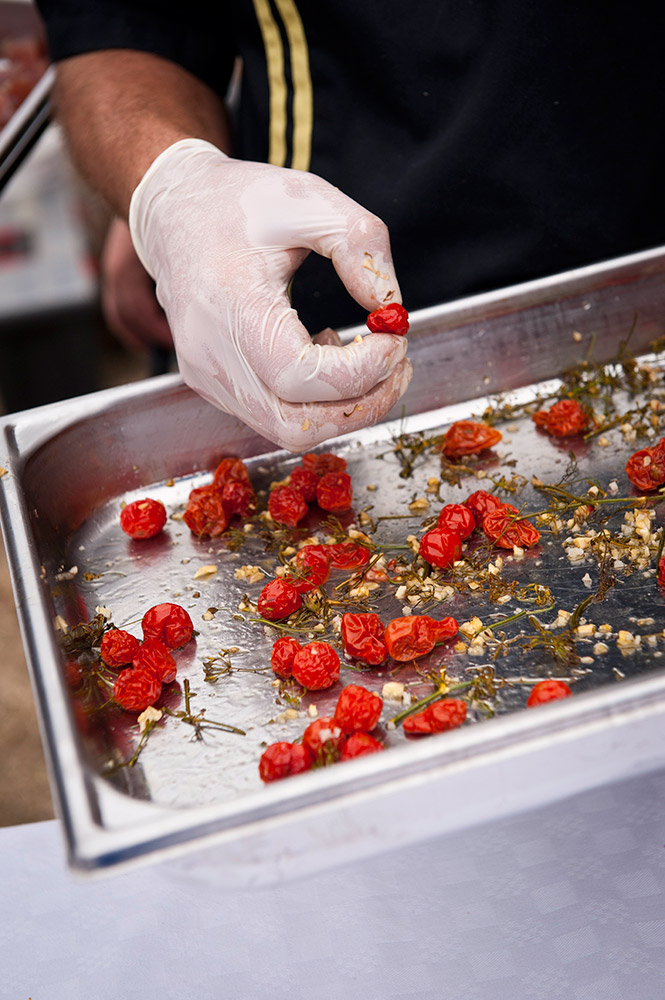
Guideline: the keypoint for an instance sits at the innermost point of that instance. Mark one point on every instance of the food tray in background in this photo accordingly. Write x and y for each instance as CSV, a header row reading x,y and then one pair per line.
x,y
69,466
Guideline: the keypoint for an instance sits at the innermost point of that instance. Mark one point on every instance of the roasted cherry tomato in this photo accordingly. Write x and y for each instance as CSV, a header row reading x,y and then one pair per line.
x,y
360,744
334,492
646,468
118,648
347,555
143,518
153,656
413,636
324,462
135,690
169,623
548,690
480,504
280,760
363,637
311,566
391,318
238,498
457,517
505,528
304,480
440,547
563,419
316,666
323,738
287,506
230,470
468,437
358,709
283,652
449,713
278,599
205,514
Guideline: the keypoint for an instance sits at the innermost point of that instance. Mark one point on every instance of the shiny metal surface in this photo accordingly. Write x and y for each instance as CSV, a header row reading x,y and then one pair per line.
x,y
70,465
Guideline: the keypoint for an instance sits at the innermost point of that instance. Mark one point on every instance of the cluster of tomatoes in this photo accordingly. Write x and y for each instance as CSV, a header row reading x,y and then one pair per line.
x,y
321,479
148,664
344,735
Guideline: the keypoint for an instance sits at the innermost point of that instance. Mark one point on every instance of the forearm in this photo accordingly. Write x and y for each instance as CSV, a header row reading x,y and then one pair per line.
x,y
120,109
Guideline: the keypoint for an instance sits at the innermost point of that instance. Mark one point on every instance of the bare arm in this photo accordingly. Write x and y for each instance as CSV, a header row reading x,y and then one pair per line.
x,y
120,109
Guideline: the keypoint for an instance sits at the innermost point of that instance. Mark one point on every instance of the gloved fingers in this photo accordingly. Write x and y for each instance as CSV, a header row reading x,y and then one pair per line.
x,y
275,345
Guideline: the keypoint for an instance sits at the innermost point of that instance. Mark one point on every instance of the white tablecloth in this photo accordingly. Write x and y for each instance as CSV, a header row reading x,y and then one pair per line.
x,y
563,903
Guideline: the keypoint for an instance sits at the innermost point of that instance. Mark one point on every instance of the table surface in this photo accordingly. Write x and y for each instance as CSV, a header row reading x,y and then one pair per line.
x,y
562,903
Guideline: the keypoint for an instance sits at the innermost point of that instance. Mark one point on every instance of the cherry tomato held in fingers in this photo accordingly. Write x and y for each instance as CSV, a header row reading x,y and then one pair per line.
x,y
143,518
135,690
564,419
391,318
118,648
154,656
440,547
205,515
468,437
358,709
286,506
480,504
304,480
283,653
359,745
505,528
548,690
334,492
449,713
646,468
278,599
363,637
457,517
280,760
169,623
316,666
311,566
414,636
347,555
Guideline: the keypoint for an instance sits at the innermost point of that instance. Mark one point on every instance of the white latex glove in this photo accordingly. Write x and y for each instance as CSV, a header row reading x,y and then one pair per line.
x,y
222,238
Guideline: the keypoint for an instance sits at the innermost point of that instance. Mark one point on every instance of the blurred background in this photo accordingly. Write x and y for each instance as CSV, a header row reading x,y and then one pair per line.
x,y
54,344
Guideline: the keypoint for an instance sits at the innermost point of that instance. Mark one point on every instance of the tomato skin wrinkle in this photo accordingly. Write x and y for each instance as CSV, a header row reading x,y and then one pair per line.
x,y
391,318
143,518
278,599
154,657
358,709
287,506
548,690
312,568
230,470
334,492
363,637
564,418
283,652
347,555
506,529
134,690
170,623
413,636
440,547
304,480
118,647
316,666
480,503
646,467
324,462
457,517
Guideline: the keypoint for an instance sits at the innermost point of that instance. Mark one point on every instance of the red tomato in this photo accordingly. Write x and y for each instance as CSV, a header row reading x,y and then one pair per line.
x,y
457,517
360,744
286,506
312,568
154,656
468,437
169,623
280,760
506,530
563,419
449,713
548,690
323,738
135,690
283,652
334,492
238,498
440,547
316,666
358,709
230,470
278,599
304,480
481,503
326,461
118,647
348,555
363,637
646,468
143,518
205,515
391,318
414,636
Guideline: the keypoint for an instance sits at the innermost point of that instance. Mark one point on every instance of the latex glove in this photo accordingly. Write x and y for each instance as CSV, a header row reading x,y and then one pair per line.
x,y
222,238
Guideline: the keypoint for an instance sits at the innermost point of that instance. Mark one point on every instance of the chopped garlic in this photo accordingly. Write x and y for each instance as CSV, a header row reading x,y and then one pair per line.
x,y
392,691
252,574
600,648
149,714
207,571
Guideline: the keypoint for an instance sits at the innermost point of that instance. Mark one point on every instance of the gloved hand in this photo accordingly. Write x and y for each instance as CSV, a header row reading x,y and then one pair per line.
x,y
222,238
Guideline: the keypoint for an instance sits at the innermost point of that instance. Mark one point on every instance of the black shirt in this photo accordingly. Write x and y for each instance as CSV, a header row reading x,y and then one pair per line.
x,y
500,140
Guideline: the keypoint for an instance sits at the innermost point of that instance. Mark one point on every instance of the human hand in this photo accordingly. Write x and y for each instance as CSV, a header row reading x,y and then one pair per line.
x,y
222,239
129,304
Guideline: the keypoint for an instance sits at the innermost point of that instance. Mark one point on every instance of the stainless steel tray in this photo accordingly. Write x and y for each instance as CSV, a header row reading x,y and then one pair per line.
x,y
68,467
